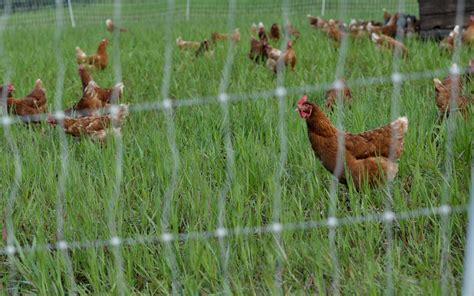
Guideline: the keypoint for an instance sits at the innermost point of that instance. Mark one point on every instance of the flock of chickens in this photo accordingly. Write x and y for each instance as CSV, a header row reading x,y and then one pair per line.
x,y
370,157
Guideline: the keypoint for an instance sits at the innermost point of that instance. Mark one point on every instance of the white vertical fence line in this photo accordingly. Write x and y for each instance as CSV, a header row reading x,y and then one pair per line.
x,y
121,287
454,74
339,168
230,160
12,195
388,203
280,93
71,14
468,278
61,191
171,135
187,9
323,7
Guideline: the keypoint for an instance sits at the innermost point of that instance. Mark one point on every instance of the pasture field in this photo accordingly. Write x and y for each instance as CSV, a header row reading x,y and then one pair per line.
x,y
191,178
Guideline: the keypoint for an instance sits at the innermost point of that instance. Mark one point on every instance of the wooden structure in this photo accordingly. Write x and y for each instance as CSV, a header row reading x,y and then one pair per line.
x,y
438,17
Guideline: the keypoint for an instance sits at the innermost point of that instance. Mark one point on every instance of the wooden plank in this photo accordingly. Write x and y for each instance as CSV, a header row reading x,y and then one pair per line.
x,y
441,14
443,21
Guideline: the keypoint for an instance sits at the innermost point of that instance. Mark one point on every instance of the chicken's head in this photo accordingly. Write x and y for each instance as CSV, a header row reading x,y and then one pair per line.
x,y
304,108
109,23
10,89
104,43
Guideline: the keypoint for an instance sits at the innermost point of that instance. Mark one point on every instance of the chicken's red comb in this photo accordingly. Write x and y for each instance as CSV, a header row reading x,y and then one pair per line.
x,y
10,87
303,100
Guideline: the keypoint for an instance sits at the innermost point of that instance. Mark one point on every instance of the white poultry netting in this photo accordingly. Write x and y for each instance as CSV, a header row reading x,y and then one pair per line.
x,y
21,14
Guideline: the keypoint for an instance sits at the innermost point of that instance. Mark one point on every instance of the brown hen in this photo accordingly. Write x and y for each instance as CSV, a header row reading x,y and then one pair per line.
x,y
276,58
94,126
99,60
275,32
370,157
389,43
451,87
31,106
216,36
183,44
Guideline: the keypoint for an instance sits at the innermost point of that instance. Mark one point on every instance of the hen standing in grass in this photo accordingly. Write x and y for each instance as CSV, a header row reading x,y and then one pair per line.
x,y
183,44
93,97
389,43
275,58
204,49
275,32
448,42
106,95
99,60
216,36
258,51
370,157
95,126
111,27
30,106
262,35
451,86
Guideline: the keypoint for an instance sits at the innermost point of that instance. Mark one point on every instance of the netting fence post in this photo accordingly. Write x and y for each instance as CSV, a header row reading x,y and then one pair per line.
x,y
71,14
468,285
323,7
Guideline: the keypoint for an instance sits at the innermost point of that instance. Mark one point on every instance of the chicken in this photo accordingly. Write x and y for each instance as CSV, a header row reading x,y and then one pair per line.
x,y
182,44
468,34
316,21
389,29
469,71
357,28
448,42
370,157
88,104
451,87
99,60
215,36
253,29
262,35
412,26
106,95
30,107
275,58
333,32
204,49
258,51
386,16
275,32
95,126
94,97
111,27
331,94
292,31
390,43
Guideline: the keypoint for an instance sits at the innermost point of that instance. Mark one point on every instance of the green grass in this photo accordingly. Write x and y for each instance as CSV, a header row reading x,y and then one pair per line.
x,y
147,170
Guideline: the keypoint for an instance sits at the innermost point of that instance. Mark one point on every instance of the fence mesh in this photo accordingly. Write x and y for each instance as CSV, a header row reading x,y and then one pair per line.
x,y
211,186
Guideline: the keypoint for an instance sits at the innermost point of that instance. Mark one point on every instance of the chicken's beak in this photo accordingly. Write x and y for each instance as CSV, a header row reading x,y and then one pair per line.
x,y
297,109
